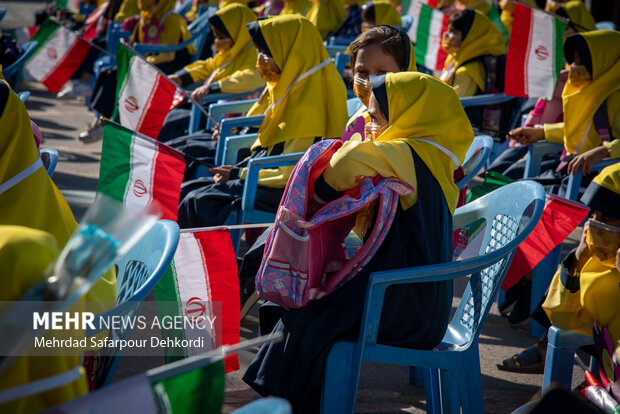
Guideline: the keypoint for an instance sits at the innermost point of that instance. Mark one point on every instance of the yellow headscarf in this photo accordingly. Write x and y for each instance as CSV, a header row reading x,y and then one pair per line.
x,y
483,38
129,8
479,5
580,105
295,7
386,13
427,114
243,53
33,201
579,14
326,15
309,99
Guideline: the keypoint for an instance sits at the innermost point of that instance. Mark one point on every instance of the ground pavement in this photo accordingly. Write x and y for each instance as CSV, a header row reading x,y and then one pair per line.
x,y
383,388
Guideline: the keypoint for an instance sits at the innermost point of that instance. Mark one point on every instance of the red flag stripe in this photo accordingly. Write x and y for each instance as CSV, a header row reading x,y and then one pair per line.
x,y
67,66
518,47
152,119
167,179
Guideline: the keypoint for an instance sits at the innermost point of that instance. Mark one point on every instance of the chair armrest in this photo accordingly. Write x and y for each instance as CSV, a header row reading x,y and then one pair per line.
x,y
535,154
195,113
143,48
251,178
217,111
233,144
487,99
574,181
226,127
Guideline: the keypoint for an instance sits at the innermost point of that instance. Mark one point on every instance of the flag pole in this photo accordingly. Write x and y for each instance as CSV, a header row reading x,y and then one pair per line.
x,y
179,88
232,227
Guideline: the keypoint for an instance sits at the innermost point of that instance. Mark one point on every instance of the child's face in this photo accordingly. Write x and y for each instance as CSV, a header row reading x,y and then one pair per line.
x,y
603,237
378,124
451,41
367,23
577,73
267,68
371,60
222,42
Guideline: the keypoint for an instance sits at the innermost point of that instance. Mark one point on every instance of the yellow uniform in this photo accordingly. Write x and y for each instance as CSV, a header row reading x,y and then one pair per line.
x,y
326,15
295,7
577,132
128,9
234,69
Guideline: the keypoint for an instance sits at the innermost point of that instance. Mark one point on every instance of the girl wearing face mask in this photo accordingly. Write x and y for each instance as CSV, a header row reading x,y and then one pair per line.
x,y
421,134
305,100
231,70
593,86
470,36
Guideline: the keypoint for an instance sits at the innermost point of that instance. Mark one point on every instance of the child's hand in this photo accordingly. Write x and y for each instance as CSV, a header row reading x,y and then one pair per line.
x,y
526,135
584,162
175,78
583,253
199,93
222,174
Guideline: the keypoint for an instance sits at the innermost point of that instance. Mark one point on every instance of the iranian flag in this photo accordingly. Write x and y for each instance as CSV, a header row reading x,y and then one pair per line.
x,y
426,32
21,35
136,169
535,53
143,94
559,218
202,282
57,56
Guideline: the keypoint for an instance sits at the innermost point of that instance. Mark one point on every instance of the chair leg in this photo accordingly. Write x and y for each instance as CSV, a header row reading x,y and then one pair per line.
x,y
449,393
342,370
541,279
416,376
558,366
431,389
470,382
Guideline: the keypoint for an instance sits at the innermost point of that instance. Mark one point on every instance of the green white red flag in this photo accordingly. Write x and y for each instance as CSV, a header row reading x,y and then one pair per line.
x,y
143,94
535,53
202,280
138,170
428,27
59,53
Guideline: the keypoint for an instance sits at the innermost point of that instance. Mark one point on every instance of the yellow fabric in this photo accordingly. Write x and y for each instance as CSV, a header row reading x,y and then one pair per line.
x,y
160,9
483,38
580,105
554,132
237,63
609,178
579,14
128,9
479,5
614,148
278,177
295,7
326,15
464,85
25,255
597,300
386,13
420,108
224,3
314,106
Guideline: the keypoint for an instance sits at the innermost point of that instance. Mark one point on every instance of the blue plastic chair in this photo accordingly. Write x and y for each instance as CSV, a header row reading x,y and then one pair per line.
x,y
2,13
559,361
511,213
605,25
196,113
535,154
475,158
138,273
184,7
198,29
49,156
13,72
340,61
24,95
266,406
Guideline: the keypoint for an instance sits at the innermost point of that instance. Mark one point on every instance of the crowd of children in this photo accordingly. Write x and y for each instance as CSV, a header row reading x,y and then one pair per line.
x,y
416,130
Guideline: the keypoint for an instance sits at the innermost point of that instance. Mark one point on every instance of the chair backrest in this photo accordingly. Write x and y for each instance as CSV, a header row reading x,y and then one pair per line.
x,y
477,154
138,273
49,156
353,105
11,73
340,61
199,29
114,35
510,213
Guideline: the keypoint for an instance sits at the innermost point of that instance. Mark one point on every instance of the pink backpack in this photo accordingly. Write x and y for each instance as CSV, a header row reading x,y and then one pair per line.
x,y
305,258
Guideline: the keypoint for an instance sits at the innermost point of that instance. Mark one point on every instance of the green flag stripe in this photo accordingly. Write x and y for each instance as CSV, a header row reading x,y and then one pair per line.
x,y
43,35
168,304
115,167
558,48
422,36
124,57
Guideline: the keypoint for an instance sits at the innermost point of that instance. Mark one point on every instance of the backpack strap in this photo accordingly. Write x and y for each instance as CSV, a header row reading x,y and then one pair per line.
x,y
601,123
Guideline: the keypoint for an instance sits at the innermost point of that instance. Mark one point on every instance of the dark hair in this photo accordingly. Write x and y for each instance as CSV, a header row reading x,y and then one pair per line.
x,y
462,21
217,23
576,42
390,40
257,37
368,11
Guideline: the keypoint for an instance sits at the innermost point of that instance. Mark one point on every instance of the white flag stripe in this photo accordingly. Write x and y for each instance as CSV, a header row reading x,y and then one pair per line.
x,y
541,55
148,102
434,43
139,189
192,279
51,54
134,96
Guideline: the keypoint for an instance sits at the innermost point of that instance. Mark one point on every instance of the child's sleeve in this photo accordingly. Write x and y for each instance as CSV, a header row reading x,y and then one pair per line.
x,y
464,85
241,81
613,112
196,71
554,132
